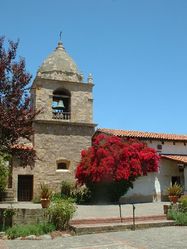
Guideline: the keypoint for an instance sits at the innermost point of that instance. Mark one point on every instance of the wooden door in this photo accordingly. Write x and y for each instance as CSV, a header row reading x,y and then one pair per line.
x,y
25,187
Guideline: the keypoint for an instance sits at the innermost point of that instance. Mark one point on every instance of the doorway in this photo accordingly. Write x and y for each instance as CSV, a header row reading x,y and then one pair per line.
x,y
175,179
25,187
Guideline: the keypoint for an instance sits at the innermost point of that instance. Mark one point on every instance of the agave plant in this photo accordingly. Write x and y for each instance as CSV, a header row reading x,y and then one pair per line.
x,y
175,190
45,192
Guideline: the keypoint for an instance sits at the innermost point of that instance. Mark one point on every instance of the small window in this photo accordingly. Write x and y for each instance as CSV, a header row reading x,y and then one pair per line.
x,y
62,166
162,142
184,143
173,143
159,146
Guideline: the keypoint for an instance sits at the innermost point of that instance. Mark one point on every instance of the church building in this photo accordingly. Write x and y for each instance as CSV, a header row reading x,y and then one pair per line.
x,y
65,127
62,129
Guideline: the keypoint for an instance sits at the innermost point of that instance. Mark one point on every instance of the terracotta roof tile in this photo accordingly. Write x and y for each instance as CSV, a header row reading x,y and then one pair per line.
x,y
145,135
181,159
23,146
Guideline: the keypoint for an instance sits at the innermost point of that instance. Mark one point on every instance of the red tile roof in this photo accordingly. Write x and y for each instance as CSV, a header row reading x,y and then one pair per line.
x,y
23,146
180,159
144,135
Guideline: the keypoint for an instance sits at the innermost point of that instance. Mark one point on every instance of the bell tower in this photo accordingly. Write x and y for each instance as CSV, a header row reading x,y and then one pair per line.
x,y
65,125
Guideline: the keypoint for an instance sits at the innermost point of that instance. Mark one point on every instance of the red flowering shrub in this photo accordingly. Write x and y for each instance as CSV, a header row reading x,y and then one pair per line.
x,y
115,161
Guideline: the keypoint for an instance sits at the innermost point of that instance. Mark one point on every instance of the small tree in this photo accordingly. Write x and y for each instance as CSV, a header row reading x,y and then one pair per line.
x,y
16,111
110,166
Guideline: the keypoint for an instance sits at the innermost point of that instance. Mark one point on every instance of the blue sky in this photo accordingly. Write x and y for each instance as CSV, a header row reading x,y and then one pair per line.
x,y
135,49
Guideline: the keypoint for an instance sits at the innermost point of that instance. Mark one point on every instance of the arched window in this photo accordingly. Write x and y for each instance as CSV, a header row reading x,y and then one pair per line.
x,y
61,104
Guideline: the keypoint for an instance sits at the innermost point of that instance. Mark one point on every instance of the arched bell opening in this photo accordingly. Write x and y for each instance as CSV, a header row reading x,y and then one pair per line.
x,y
61,104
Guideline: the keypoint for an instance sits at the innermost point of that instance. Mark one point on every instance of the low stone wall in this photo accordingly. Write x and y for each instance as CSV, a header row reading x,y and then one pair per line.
x,y
137,199
26,216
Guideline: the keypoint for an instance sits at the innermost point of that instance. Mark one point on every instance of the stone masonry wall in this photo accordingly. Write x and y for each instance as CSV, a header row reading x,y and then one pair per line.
x,y
25,216
57,140
81,99
54,142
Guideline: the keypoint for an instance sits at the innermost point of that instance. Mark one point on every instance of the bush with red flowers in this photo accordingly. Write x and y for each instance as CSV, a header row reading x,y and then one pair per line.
x,y
109,167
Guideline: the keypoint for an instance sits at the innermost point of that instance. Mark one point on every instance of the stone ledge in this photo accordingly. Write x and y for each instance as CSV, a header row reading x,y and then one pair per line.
x,y
114,227
117,219
61,121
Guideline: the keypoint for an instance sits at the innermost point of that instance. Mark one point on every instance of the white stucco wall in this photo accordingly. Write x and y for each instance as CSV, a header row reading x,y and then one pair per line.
x,y
153,186
168,147
144,188
168,169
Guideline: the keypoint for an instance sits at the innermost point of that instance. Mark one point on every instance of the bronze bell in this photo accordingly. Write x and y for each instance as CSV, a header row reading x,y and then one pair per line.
x,y
59,105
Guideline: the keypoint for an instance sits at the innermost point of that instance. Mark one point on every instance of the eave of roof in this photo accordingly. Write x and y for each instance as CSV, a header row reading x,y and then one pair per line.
x,y
179,159
143,135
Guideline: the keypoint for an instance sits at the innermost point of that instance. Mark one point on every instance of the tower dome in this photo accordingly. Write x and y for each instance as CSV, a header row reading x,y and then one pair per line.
x,y
59,66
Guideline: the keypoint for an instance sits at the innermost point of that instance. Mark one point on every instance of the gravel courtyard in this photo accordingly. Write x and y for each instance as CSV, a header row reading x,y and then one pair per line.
x,y
152,238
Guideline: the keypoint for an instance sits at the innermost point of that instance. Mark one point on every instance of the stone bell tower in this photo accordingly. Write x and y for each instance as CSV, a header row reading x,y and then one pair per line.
x,y
65,126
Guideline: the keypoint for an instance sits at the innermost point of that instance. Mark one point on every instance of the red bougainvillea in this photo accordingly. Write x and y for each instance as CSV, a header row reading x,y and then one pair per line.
x,y
113,159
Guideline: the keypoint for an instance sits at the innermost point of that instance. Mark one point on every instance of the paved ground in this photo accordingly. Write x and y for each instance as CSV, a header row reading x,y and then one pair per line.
x,y
104,211
153,238
165,237
108,211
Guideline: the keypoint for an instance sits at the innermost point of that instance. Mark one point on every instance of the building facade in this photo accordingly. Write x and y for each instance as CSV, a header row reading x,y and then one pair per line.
x,y
62,129
173,165
65,127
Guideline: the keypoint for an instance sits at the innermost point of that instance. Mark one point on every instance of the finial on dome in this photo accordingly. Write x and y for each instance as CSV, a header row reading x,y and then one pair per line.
x,y
60,44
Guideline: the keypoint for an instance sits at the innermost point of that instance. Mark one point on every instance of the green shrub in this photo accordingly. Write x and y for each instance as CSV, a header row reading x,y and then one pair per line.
x,y
81,194
183,203
56,197
31,229
7,215
180,218
67,188
60,212
171,215
176,213
9,212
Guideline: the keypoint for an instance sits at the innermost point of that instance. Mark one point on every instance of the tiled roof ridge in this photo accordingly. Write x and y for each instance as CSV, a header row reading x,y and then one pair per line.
x,y
142,134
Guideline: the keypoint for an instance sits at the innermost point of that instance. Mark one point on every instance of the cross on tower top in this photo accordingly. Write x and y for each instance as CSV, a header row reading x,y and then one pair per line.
x,y
60,35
